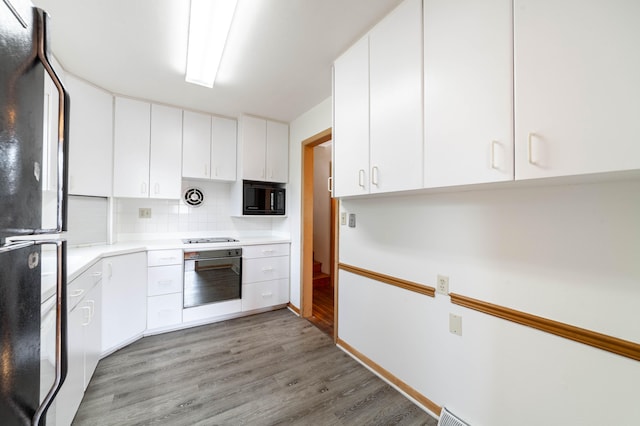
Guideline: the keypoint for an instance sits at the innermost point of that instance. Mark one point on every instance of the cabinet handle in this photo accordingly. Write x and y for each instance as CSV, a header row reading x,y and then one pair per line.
x,y
374,175
530,148
87,319
156,188
493,154
216,171
330,184
92,307
77,293
206,173
267,269
266,251
165,282
143,188
268,294
262,174
361,178
109,270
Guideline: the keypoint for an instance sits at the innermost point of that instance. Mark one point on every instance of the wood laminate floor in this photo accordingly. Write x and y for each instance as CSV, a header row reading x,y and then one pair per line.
x,y
267,369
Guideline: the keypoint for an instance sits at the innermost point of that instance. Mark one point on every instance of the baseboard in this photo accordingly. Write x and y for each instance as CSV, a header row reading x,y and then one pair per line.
x,y
416,397
293,309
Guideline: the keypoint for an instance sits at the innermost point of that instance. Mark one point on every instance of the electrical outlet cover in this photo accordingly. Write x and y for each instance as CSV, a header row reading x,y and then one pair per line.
x,y
442,286
455,324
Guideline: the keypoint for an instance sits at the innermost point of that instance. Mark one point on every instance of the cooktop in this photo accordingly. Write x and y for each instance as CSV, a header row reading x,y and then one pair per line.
x,y
209,240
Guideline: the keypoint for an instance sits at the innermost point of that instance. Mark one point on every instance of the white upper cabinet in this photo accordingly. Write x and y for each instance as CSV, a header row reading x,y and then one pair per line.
x,y
395,100
90,139
196,148
277,152
468,80
351,121
265,150
224,132
254,148
165,158
577,92
209,147
131,148
378,140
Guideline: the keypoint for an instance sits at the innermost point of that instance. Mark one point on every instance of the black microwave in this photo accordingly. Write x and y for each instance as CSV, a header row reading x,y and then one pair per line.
x,y
263,198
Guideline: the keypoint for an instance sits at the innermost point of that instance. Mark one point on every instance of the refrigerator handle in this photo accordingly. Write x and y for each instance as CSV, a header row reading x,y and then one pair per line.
x,y
63,120
40,416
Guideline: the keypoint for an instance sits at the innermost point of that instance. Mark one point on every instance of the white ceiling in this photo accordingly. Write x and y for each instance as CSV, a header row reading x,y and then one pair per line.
x,y
277,63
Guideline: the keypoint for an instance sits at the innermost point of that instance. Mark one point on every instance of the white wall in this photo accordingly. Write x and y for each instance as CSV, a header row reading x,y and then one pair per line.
x,y
322,206
173,218
570,253
308,124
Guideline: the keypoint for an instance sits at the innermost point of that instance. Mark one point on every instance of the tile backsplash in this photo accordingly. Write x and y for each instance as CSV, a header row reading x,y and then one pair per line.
x,y
172,217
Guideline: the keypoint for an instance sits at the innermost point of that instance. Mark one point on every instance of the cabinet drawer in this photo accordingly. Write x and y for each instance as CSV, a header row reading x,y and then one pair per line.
x,y
164,280
163,311
164,257
264,294
80,286
265,269
266,250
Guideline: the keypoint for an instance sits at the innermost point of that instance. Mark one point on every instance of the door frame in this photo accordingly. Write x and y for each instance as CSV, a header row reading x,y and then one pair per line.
x,y
306,225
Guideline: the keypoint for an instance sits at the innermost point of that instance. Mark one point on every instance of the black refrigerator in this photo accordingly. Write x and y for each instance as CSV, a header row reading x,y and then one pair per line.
x,y
26,232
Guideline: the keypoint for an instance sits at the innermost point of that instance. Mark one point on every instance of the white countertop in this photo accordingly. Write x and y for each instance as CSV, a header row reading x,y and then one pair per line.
x,y
79,259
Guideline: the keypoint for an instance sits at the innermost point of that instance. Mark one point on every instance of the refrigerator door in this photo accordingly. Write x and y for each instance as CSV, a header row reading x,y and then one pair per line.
x,y
19,332
22,81
23,400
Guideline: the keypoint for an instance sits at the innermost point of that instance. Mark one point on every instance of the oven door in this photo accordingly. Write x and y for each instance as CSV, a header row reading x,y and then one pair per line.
x,y
212,280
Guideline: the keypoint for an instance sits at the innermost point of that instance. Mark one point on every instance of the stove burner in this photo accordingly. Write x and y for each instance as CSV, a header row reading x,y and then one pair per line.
x,y
209,240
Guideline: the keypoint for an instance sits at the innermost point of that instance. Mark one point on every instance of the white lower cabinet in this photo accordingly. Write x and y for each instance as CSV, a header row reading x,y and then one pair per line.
x,y
164,310
124,293
164,289
267,293
265,276
83,341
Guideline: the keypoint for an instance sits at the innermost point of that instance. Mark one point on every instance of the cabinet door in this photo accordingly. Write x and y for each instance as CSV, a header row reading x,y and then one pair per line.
x,y
196,145
224,132
468,80
254,145
351,121
90,139
165,159
131,148
92,332
72,390
577,95
164,310
277,154
124,298
395,78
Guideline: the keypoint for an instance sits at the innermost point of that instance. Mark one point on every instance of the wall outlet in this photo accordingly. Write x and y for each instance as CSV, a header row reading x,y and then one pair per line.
x,y
442,285
343,218
352,220
455,324
144,213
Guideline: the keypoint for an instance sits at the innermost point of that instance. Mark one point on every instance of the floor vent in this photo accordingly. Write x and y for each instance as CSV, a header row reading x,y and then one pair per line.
x,y
448,419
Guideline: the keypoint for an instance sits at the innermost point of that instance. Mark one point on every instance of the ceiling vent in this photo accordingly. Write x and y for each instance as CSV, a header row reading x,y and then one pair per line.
x,y
194,197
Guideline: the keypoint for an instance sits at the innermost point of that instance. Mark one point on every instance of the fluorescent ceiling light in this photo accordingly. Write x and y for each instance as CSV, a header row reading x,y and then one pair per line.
x,y
209,24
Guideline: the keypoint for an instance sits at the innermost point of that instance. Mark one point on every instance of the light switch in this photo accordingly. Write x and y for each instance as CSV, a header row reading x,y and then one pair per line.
x,y
352,220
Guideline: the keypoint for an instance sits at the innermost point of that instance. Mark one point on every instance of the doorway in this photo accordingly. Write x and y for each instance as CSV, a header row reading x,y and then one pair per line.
x,y
318,234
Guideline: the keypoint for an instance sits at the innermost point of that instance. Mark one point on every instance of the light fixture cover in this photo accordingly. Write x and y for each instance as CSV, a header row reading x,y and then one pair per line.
x,y
209,24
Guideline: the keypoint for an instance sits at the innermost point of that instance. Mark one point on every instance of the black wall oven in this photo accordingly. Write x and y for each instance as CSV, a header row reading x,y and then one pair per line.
x,y
212,276
263,198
